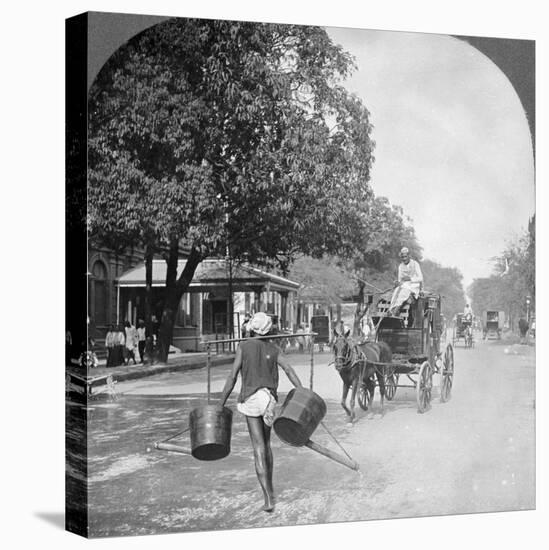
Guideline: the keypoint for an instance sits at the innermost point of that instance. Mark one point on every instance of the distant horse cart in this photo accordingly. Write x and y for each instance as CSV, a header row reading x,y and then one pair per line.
x,y
492,324
463,330
320,325
413,339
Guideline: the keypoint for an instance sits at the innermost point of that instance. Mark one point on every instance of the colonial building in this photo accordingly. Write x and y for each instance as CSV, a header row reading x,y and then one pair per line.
x,y
204,310
117,294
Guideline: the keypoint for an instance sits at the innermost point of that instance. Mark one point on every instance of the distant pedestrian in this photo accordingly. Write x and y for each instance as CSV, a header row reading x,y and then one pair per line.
x,y
118,348
109,344
141,339
523,329
245,331
131,343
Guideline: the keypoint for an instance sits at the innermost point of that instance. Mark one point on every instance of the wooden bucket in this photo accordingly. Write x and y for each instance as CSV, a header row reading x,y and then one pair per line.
x,y
299,417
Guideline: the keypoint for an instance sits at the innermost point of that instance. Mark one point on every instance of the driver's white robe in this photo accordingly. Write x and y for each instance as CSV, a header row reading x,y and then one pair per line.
x,y
406,288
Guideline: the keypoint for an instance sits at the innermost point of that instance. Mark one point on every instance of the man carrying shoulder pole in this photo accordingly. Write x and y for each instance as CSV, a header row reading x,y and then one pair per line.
x,y
258,360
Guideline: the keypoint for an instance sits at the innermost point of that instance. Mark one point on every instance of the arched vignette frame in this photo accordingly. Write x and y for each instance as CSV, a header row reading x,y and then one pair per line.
x,y
515,58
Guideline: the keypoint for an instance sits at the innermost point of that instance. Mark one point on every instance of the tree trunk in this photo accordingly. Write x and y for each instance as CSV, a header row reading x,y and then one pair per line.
x,y
175,288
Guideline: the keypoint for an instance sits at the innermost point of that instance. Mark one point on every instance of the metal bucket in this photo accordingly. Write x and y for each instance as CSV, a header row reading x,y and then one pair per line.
x,y
210,428
299,417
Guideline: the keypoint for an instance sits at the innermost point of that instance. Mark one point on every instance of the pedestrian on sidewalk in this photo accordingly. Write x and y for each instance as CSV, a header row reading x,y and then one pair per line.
x,y
257,360
118,349
244,328
131,343
109,344
141,339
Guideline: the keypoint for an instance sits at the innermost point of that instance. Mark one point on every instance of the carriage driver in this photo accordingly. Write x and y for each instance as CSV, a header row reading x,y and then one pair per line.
x,y
409,282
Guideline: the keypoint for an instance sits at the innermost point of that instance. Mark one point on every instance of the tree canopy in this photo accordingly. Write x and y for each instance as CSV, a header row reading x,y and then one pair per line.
x,y
227,137
225,133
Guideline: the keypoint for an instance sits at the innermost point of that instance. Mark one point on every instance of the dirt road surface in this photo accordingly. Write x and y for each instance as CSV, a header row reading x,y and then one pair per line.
x,y
475,453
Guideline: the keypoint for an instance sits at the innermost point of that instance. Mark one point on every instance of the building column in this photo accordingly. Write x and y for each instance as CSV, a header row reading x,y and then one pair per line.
x,y
283,308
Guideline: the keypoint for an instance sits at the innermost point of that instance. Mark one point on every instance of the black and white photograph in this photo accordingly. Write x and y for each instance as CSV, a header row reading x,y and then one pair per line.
x,y
300,278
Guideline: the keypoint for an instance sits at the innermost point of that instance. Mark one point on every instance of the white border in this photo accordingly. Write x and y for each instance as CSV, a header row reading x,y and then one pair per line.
x,y
33,228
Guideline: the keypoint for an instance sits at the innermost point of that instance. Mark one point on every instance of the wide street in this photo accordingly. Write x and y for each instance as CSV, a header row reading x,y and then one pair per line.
x,y
475,453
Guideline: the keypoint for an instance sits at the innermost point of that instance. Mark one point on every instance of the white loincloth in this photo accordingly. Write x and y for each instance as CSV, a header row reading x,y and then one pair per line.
x,y
260,403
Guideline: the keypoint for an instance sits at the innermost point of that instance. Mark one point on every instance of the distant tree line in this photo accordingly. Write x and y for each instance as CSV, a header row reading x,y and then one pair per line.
x,y
513,279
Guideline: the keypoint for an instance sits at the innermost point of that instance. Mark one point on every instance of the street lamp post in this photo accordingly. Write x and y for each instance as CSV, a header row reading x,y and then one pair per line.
x,y
528,309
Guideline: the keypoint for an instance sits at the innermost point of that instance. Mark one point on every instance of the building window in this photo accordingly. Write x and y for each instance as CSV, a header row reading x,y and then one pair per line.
x,y
188,310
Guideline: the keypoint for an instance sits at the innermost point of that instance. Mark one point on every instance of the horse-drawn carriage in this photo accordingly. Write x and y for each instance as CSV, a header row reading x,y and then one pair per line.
x,y
492,323
413,340
463,330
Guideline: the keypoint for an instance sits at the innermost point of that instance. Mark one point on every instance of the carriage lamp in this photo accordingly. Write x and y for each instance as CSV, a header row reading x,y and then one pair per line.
x,y
432,303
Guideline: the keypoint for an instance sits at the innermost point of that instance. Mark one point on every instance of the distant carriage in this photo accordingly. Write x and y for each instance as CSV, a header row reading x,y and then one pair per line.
x,y
463,330
492,324
320,325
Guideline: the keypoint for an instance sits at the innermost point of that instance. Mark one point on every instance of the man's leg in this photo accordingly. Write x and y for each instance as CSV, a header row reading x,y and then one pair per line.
x,y
260,435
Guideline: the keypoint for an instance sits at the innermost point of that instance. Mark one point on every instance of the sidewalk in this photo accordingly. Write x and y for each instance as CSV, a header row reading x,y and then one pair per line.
x,y
81,381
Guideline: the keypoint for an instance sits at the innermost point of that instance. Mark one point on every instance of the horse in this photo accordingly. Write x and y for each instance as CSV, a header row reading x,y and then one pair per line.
x,y
356,365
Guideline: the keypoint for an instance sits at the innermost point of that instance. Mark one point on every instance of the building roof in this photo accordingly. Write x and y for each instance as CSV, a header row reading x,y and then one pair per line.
x,y
210,273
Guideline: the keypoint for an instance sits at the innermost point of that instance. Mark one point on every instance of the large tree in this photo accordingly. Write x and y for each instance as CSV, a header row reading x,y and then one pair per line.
x,y
227,138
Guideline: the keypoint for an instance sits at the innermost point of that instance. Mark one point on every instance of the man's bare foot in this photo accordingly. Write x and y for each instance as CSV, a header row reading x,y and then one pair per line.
x,y
269,505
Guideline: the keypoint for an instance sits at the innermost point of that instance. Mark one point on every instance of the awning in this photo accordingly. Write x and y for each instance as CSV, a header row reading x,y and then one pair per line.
x,y
210,273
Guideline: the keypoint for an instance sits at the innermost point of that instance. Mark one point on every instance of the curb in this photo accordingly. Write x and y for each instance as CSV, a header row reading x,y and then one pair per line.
x,y
98,376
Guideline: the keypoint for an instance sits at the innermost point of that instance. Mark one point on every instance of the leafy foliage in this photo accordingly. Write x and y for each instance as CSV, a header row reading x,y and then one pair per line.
x,y
446,281
322,280
228,136
196,119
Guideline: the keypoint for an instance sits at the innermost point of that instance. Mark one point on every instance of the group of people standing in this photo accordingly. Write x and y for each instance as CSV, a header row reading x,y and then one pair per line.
x,y
122,343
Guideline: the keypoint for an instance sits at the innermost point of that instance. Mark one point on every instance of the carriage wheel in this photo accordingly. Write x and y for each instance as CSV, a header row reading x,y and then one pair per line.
x,y
391,382
362,396
424,387
447,374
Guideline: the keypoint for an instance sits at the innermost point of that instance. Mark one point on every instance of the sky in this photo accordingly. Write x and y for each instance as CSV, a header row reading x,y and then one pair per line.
x,y
453,146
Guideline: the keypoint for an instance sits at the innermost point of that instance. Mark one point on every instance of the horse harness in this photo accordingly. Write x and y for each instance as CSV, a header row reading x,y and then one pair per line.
x,y
347,356
351,356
